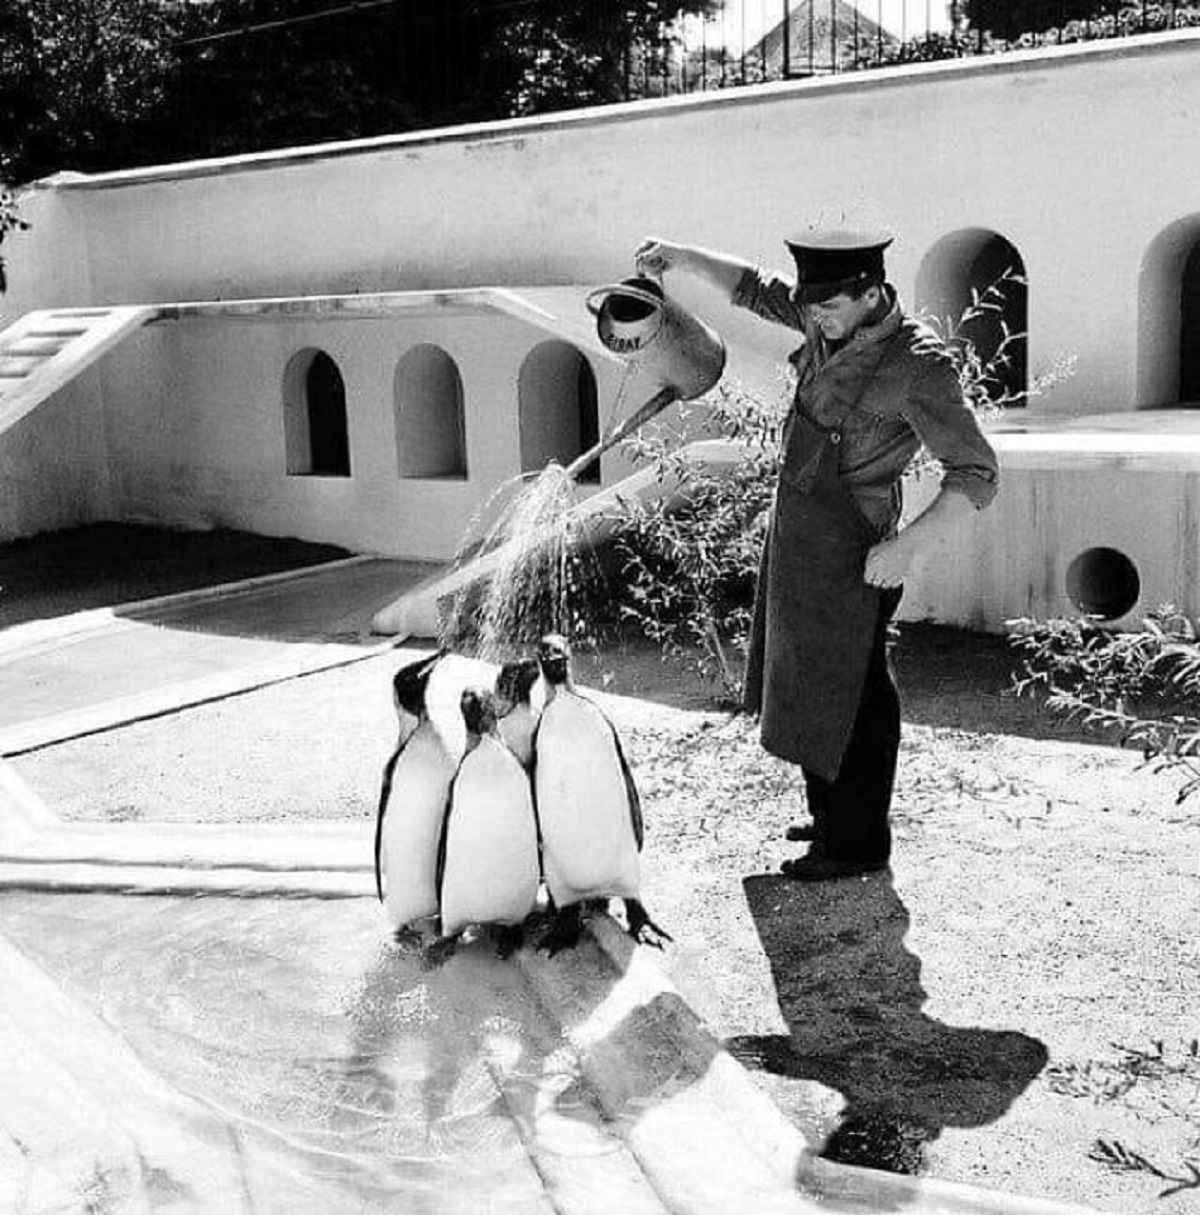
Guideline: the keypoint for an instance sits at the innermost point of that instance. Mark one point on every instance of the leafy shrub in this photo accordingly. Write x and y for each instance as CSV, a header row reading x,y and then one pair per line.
x,y
10,221
1144,685
690,568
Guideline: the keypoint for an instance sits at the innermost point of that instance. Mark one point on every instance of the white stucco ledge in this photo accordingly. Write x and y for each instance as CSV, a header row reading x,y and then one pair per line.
x,y
1150,440
515,130
559,310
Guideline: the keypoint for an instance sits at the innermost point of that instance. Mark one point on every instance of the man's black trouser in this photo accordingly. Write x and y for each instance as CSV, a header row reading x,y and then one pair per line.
x,y
850,814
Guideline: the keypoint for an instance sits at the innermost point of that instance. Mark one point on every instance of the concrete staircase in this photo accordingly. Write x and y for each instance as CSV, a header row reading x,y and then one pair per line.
x,y
46,349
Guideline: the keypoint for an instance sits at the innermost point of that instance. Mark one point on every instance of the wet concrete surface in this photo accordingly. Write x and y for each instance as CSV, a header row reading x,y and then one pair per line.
x,y
325,1068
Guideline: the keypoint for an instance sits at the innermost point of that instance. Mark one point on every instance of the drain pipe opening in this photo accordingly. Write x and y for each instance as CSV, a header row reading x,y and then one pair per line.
x,y
1103,582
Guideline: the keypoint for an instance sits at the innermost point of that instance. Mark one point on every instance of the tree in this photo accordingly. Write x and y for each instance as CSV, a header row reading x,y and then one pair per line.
x,y
555,55
10,221
1008,19
1074,20
96,84
75,75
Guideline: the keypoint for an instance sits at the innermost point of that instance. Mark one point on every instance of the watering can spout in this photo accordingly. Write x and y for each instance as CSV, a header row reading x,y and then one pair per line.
x,y
637,319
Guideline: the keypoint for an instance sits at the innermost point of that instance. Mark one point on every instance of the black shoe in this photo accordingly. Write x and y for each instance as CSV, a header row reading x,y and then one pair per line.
x,y
798,832
825,869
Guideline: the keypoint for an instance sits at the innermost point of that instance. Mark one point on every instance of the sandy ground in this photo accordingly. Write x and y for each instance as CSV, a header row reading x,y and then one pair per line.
x,y
1014,1005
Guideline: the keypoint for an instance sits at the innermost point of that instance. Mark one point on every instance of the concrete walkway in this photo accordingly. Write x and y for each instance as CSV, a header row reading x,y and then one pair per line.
x,y
241,1036
96,669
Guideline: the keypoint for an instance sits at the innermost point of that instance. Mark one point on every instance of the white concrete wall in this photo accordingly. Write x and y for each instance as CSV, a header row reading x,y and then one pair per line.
x,y
1057,504
1074,155
195,427
53,463
1083,158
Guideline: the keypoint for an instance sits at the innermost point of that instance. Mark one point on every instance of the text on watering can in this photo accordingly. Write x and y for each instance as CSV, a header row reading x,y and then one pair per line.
x,y
623,345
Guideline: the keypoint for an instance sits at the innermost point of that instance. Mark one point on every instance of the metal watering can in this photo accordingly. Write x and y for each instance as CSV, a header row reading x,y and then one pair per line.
x,y
636,319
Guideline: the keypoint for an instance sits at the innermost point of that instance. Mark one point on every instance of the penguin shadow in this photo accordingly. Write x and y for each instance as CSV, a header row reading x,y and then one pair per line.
x,y
658,1048
850,991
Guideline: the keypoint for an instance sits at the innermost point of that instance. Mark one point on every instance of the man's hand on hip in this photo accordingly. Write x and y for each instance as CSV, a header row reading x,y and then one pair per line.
x,y
888,562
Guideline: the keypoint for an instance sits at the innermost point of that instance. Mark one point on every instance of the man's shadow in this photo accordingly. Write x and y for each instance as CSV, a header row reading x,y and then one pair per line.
x,y
851,994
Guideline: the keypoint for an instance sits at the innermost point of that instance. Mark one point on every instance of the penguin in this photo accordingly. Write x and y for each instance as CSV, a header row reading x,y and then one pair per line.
x,y
488,871
417,778
588,807
514,688
408,692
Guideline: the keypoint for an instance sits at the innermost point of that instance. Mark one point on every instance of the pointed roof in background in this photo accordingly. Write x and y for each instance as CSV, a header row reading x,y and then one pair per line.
x,y
816,28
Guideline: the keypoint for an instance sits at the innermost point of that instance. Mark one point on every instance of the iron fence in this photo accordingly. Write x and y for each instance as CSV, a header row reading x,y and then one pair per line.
x,y
758,41
455,62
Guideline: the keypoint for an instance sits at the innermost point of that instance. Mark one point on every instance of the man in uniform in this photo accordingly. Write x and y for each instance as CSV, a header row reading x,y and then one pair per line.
x,y
873,386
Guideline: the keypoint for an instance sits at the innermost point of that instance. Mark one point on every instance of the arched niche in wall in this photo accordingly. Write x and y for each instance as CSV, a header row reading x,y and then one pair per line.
x,y
316,434
559,414
1168,336
973,282
431,434
1189,328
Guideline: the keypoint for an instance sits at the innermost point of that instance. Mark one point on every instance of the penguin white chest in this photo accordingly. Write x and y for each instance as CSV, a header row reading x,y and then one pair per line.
x,y
490,865
589,846
412,826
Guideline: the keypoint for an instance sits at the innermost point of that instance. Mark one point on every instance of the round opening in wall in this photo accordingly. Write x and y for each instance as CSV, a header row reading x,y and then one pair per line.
x,y
1103,582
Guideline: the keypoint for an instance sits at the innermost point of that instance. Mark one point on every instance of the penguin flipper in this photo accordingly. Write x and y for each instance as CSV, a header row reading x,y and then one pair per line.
x,y
533,797
440,871
631,789
385,792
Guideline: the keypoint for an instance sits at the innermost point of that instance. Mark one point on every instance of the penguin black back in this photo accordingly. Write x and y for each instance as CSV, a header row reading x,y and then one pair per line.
x,y
480,711
515,681
408,687
554,658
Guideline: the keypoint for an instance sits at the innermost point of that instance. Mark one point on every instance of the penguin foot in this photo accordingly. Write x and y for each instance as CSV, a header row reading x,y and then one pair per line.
x,y
408,937
565,931
509,938
440,952
642,928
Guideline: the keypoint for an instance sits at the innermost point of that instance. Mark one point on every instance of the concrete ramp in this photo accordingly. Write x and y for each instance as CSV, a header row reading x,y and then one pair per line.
x,y
46,349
